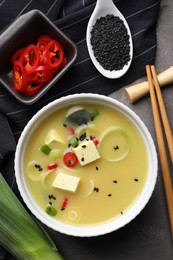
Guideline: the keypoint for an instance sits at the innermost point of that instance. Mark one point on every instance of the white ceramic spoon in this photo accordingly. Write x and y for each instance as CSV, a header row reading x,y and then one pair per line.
x,y
102,8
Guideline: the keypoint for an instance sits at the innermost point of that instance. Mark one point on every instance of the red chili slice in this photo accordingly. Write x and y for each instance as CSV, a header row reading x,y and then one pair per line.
x,y
64,203
32,88
54,55
52,166
41,45
42,42
70,159
17,55
71,130
19,76
41,75
95,140
30,58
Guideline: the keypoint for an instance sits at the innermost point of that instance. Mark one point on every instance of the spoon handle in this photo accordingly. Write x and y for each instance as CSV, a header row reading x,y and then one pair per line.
x,y
102,4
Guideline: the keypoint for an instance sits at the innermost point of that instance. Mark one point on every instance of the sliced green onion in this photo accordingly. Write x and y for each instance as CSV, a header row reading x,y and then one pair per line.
x,y
114,144
72,215
74,141
55,153
51,211
23,237
34,170
46,149
89,128
73,110
44,180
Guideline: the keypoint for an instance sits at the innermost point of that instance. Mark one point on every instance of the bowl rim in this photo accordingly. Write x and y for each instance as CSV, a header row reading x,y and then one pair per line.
x,y
94,229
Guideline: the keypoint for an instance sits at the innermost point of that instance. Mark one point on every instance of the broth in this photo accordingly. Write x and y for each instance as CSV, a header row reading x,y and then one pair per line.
x,y
102,189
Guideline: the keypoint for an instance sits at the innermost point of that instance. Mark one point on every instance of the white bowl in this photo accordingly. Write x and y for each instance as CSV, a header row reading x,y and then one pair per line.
x,y
110,225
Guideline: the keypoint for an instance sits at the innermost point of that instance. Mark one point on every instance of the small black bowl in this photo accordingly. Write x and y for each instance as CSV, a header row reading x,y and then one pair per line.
x,y
24,31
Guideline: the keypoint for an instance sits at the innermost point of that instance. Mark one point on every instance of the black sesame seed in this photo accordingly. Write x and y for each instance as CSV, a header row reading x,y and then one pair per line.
x,y
115,181
96,189
38,167
62,209
136,180
121,212
82,137
110,42
84,146
116,147
82,159
51,197
97,168
64,125
109,195
50,203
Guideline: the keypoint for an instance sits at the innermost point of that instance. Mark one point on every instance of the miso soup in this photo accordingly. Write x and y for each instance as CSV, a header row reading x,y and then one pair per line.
x,y
86,164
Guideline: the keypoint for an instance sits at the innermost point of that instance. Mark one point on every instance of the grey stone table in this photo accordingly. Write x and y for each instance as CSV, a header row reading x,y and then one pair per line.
x,y
155,242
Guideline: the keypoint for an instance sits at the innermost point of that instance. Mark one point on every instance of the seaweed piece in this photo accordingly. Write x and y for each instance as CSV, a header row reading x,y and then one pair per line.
x,y
79,117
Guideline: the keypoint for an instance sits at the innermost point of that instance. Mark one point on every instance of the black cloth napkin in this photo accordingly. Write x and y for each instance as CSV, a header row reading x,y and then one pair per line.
x,y
72,16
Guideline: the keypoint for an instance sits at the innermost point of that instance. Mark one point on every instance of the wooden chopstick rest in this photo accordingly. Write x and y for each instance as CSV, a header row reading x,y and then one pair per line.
x,y
162,149
138,91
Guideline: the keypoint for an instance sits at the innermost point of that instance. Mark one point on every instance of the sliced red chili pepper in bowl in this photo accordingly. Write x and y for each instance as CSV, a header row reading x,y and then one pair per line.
x,y
31,89
30,58
21,81
19,77
54,55
35,65
70,159
41,45
40,75
17,55
42,42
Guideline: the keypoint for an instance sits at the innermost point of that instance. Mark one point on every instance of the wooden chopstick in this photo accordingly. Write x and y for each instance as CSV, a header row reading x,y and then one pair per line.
x,y
164,116
161,148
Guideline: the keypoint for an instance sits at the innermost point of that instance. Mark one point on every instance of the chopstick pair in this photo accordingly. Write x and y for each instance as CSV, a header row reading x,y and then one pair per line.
x,y
154,89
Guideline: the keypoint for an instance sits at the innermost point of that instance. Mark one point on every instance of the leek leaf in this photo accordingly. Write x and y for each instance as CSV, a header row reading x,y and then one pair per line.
x,y
19,233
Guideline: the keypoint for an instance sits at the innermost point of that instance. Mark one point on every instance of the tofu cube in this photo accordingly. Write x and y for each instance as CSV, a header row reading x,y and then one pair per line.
x,y
53,137
66,182
86,152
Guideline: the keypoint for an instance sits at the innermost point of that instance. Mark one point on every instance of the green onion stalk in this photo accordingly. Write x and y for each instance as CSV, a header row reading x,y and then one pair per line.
x,y
19,233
